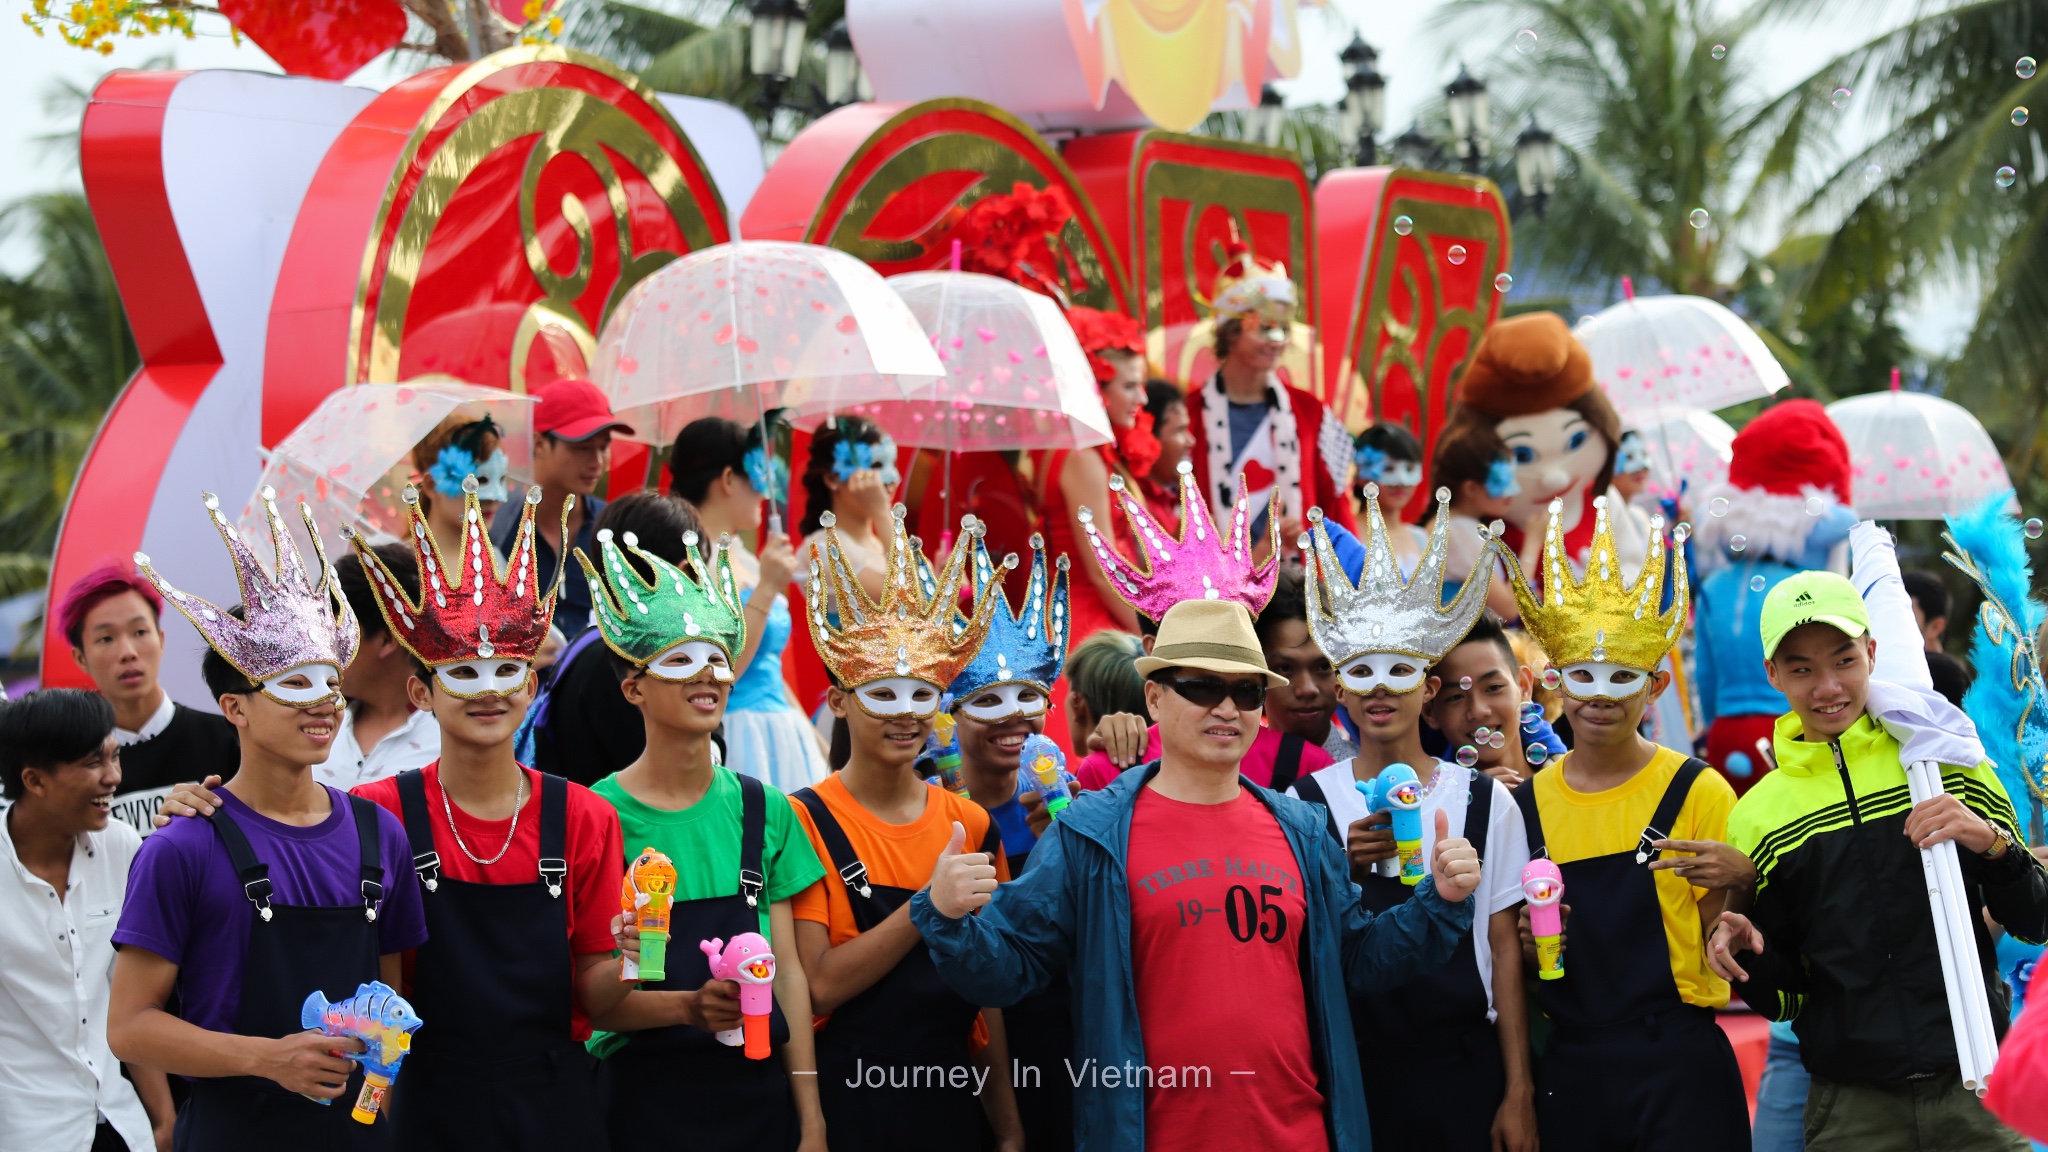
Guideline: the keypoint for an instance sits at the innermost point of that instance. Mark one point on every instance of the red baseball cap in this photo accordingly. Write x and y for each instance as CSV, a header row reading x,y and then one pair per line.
x,y
575,409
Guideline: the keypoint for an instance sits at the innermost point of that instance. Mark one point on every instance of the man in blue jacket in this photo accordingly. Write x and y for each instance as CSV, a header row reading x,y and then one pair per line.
x,y
1210,926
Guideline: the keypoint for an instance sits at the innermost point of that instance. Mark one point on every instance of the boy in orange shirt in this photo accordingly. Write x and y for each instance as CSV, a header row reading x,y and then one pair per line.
x,y
901,1065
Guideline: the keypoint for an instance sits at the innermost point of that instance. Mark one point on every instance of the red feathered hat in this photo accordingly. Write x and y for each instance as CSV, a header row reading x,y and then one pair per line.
x,y
1790,447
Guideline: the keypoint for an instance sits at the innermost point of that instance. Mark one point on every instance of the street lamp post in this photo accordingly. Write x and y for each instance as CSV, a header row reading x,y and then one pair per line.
x,y
1365,97
1471,117
1412,149
1268,119
1536,165
775,45
845,82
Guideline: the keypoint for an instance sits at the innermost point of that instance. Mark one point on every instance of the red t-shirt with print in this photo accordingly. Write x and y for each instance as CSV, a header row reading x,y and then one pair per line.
x,y
1216,918
597,860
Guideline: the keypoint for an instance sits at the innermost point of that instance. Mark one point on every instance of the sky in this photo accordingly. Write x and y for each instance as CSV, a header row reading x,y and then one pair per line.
x,y
1416,58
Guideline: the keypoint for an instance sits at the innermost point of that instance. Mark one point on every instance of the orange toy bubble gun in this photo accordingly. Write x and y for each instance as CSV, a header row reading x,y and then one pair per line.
x,y
383,1021
746,959
645,896
1543,886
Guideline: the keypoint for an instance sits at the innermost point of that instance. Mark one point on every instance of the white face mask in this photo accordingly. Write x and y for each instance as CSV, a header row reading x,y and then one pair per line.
x,y
688,660
1394,671
1405,474
1599,680
473,678
897,696
1003,701
316,685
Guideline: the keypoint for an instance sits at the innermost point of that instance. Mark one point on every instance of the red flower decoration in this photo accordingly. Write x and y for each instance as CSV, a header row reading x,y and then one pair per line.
x,y
1011,235
1138,448
1101,332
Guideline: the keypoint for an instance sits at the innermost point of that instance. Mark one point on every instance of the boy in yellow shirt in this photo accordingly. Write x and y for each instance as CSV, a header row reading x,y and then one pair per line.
x,y
1635,1059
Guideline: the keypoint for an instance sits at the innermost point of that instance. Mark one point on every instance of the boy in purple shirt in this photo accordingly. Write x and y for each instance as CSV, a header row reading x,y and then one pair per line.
x,y
291,887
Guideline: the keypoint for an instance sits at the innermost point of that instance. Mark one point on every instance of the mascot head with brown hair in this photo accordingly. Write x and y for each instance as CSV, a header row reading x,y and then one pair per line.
x,y
1528,396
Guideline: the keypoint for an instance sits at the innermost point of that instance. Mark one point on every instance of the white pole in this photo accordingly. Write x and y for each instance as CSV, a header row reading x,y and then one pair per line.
x,y
1969,1004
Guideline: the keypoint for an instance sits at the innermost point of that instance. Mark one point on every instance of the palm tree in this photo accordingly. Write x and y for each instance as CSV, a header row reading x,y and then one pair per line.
x,y
1949,190
65,354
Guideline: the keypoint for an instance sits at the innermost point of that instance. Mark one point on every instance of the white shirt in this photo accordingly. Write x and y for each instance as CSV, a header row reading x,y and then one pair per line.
x,y
413,744
151,728
1507,841
58,1077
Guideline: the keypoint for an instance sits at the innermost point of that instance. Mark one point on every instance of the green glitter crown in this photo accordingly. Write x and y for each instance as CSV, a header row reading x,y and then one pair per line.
x,y
640,620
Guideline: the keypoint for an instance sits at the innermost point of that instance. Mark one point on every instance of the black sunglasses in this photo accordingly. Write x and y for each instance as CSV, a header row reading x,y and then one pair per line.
x,y
1207,691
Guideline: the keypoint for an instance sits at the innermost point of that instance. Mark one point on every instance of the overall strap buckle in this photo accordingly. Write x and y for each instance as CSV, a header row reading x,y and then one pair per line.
x,y
258,892
428,866
373,895
553,870
855,876
1646,848
751,886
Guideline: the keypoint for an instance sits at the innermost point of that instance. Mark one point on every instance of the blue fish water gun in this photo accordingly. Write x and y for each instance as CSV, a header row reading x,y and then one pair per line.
x,y
383,1021
1399,791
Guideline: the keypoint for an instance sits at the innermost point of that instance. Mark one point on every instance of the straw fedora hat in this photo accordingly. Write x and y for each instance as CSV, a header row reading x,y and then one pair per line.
x,y
1213,635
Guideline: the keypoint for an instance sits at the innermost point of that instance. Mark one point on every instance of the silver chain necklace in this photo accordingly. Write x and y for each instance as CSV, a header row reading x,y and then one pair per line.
x,y
518,802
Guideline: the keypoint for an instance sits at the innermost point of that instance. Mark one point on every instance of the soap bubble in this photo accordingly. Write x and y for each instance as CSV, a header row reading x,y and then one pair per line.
x,y
1699,217
1718,506
1873,174
1738,542
2033,528
1403,225
1498,739
1483,735
1503,282
1552,678
1468,756
1455,254
1465,682
2005,175
2019,116
1756,583
1840,99
1525,41
1536,754
2024,68
1815,506
1720,52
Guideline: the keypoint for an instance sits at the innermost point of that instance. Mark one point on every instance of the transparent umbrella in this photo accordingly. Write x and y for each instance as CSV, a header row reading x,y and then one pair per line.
x,y
737,329
352,458
1914,456
1689,448
1016,377
1677,351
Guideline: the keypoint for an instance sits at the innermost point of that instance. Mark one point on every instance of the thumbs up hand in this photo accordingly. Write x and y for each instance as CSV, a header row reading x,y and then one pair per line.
x,y
1454,864
962,881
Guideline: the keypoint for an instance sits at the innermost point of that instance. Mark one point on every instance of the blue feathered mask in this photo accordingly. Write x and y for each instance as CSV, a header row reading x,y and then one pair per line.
x,y
2008,701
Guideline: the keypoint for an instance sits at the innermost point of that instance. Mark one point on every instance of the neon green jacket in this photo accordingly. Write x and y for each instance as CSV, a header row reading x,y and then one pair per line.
x,y
1841,899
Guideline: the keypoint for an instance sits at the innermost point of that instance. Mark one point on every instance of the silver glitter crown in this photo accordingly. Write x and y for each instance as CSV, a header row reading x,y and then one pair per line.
x,y
1385,613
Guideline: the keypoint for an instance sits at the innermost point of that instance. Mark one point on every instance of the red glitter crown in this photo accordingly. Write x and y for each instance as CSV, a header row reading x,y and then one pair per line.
x,y
477,608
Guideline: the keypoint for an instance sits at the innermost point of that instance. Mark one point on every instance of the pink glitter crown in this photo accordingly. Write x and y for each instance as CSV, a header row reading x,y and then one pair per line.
x,y
289,619
1200,564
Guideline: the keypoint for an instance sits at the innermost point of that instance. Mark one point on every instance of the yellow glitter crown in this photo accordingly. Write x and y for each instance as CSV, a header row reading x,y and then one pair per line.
x,y
1601,619
915,630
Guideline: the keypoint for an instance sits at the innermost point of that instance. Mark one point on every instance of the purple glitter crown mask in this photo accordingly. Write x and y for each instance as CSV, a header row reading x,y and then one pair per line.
x,y
1200,564
292,620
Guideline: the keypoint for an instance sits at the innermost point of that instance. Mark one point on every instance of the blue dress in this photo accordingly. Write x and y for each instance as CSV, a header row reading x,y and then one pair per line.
x,y
765,735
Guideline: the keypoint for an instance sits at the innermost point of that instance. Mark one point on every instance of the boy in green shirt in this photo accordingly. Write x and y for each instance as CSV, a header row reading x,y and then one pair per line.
x,y
738,852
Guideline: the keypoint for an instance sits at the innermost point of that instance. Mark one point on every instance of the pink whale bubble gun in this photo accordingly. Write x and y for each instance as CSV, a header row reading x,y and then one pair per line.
x,y
1543,886
746,959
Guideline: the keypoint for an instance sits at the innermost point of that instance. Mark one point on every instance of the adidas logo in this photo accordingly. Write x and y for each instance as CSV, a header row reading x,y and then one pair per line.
x,y
1803,598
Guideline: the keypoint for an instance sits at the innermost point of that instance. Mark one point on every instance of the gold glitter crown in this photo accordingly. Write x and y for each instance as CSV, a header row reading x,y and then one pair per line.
x,y
1601,619
916,629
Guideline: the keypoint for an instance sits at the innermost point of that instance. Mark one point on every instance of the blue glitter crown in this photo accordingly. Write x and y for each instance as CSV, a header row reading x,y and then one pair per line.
x,y
1026,648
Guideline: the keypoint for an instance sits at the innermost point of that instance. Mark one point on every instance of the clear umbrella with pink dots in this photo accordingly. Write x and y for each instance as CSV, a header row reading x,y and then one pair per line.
x,y
1915,456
